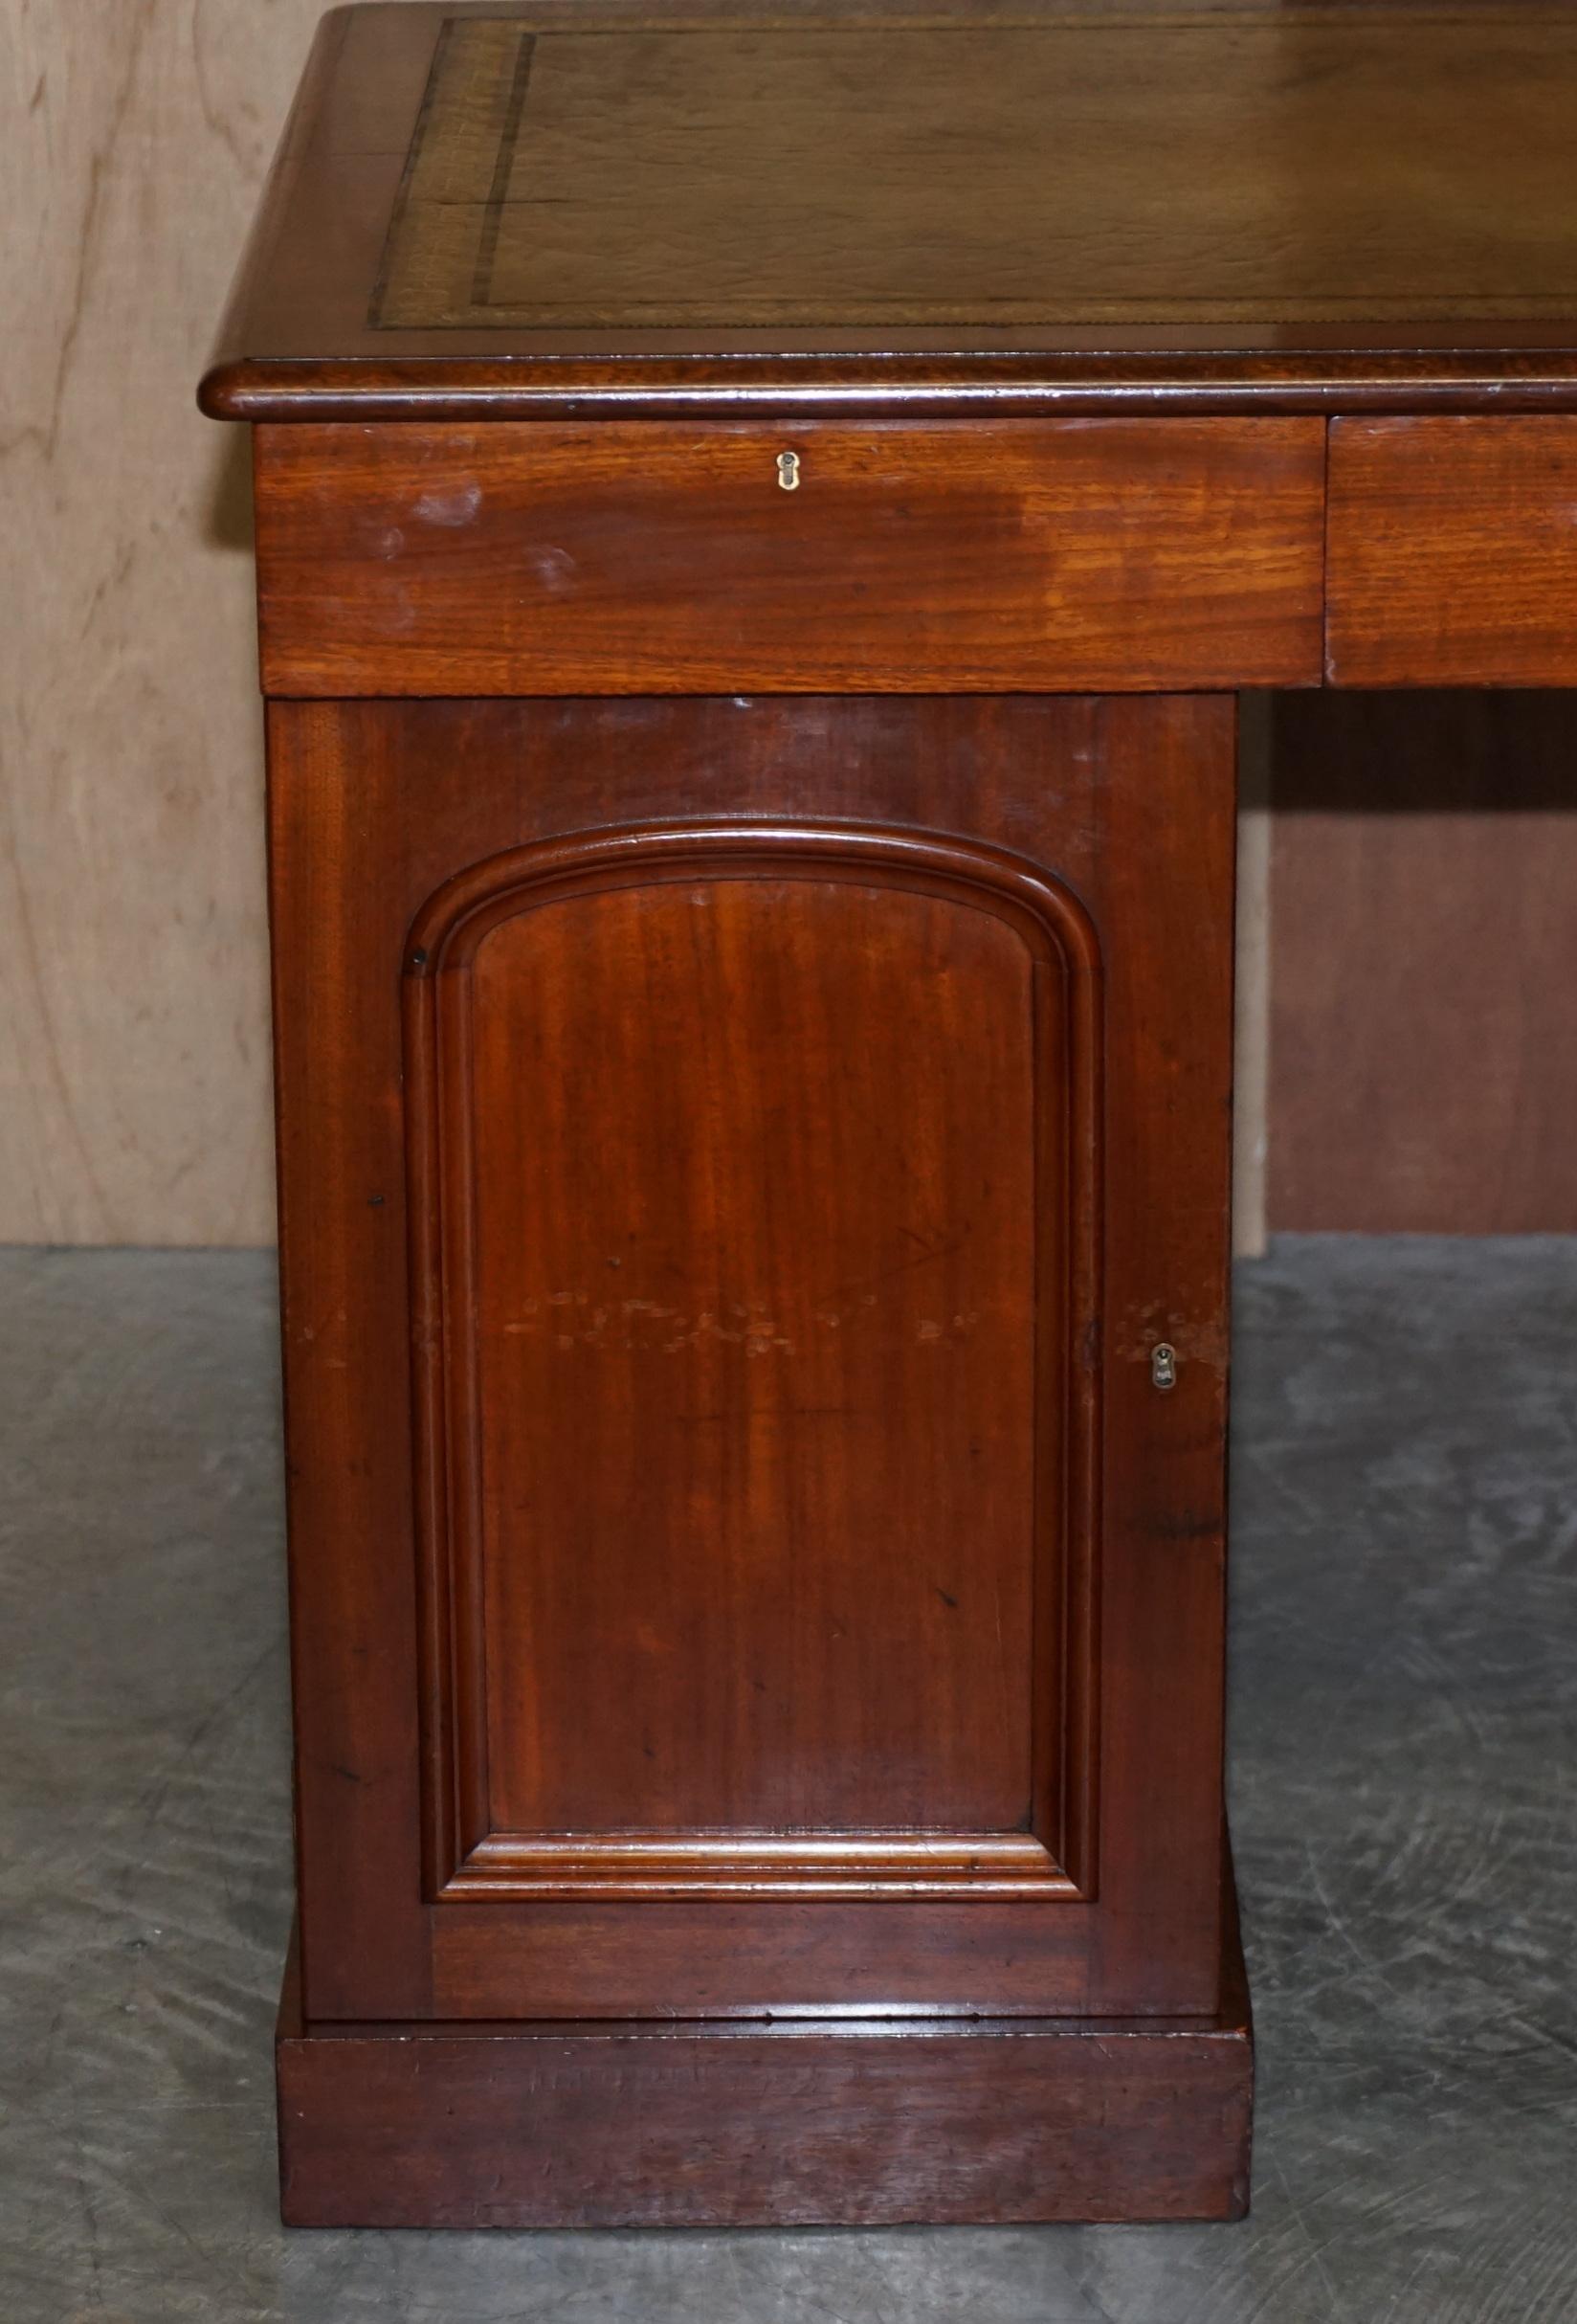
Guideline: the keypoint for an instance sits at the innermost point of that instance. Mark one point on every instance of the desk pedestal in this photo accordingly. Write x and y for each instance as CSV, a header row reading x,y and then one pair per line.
x,y
754,1195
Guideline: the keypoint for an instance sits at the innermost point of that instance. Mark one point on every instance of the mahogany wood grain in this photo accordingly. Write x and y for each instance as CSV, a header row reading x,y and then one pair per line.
x,y
641,559
858,2123
1453,554
753,1191
1126,803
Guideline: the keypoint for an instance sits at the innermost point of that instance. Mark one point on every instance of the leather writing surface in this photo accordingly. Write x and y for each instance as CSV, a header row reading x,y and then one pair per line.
x,y
1273,169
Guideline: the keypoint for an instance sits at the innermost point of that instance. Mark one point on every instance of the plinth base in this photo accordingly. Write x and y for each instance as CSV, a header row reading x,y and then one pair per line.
x,y
802,2122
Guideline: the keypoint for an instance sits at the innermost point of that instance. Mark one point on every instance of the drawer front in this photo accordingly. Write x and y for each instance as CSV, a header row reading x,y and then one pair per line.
x,y
629,558
1454,552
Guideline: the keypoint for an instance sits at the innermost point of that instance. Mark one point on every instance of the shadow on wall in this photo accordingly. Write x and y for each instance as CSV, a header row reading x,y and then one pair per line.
x,y
1423,1040
227,518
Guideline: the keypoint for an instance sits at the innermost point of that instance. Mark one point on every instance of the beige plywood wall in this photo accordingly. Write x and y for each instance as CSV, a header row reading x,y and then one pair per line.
x,y
133,1021
1423,987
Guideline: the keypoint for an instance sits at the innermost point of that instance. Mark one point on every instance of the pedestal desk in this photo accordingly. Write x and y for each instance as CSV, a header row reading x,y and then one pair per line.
x,y
762,518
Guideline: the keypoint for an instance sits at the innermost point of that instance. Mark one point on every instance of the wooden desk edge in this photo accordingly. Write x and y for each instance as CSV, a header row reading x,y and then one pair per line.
x,y
779,386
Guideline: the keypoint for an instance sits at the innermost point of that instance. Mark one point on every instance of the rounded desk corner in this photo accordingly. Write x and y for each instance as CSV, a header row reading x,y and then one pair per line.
x,y
222,390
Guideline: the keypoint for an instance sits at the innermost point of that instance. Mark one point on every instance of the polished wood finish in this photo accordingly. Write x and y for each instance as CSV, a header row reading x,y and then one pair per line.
x,y
645,559
1220,204
1025,804
859,2124
734,1256
1453,555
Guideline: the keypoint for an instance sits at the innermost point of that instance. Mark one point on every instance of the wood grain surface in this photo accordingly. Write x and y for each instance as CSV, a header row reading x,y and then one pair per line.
x,y
860,2123
925,557
708,1221
1051,779
1453,556
133,1021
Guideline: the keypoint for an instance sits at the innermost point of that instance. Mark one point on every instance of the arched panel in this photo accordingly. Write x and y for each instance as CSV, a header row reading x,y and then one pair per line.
x,y
755,1286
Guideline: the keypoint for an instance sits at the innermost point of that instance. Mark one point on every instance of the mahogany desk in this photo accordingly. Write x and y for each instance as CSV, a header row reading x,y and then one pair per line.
x,y
761,520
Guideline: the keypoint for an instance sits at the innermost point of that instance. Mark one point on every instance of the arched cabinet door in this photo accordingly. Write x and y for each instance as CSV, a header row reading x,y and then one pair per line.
x,y
745,1554
755,1273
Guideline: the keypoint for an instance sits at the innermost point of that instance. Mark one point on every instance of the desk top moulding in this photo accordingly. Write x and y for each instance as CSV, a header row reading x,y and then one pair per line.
x,y
1211,205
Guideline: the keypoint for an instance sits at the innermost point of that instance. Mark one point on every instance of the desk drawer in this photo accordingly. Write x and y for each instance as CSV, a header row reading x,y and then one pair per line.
x,y
627,558
1454,552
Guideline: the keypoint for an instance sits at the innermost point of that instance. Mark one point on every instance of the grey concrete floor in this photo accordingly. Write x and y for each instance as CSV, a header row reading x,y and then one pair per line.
x,y
1403,1711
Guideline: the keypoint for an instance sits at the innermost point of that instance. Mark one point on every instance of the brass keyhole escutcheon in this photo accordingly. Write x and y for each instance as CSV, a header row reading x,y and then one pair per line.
x,y
788,471
1164,1366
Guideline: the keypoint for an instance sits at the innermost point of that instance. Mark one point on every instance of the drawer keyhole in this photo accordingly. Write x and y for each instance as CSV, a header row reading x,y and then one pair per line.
x,y
788,471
